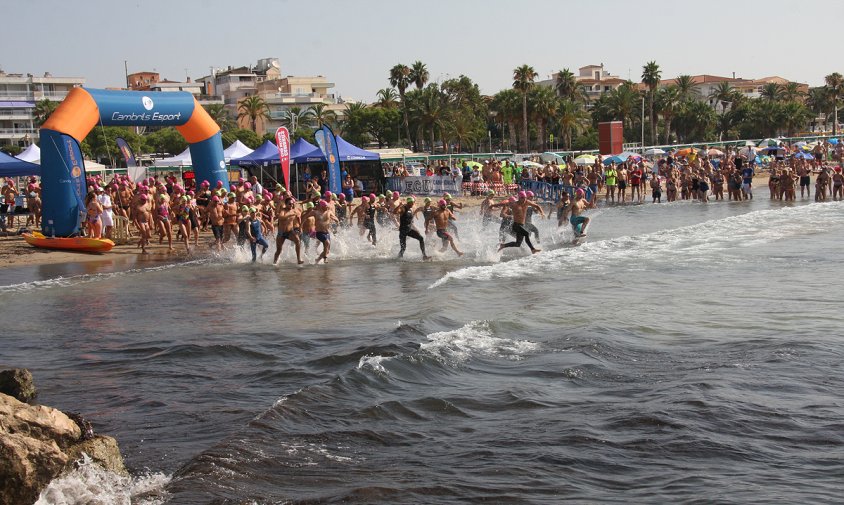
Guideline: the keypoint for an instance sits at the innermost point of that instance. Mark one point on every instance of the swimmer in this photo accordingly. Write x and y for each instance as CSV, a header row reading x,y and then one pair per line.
x,y
519,208
406,229
289,228
577,220
442,216
323,218
255,233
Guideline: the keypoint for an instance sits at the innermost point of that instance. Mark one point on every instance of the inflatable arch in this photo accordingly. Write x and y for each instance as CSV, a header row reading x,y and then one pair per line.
x,y
63,170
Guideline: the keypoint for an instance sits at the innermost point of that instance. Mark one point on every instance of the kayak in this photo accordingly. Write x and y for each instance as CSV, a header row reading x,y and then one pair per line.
x,y
80,244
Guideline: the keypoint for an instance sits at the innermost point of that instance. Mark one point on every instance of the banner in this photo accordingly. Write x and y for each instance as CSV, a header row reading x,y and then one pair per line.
x,y
328,145
282,140
135,172
434,185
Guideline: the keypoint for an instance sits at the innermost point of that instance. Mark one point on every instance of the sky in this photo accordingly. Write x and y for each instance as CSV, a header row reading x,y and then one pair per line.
x,y
355,43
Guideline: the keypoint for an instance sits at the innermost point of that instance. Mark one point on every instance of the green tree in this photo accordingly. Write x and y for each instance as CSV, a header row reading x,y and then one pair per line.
x,y
400,79
835,89
695,121
668,101
43,109
686,87
253,108
572,120
543,103
650,77
724,94
794,117
386,98
419,74
166,140
791,92
101,142
248,137
220,115
523,80
432,113
771,92
322,115
567,86
295,118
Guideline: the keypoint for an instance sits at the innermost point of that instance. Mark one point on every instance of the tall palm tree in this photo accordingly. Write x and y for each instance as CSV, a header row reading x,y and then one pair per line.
x,y
835,89
220,115
507,110
771,92
431,112
650,77
295,118
572,119
794,116
419,74
523,78
623,102
400,79
254,108
544,103
386,98
322,115
686,87
43,109
791,92
723,93
567,86
668,100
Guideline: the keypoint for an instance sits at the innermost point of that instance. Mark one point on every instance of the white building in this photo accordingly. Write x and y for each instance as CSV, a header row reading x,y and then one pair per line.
x,y
18,96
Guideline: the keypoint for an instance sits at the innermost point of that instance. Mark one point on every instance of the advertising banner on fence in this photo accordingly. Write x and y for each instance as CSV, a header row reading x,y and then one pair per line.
x,y
435,185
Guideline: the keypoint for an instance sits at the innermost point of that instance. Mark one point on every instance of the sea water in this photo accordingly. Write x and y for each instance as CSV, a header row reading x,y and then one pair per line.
x,y
685,352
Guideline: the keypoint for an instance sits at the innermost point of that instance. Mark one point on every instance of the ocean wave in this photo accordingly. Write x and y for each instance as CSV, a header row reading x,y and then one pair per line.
x,y
686,245
90,483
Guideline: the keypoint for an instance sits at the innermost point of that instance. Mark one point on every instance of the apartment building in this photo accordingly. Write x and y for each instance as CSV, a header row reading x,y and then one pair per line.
x,y
18,96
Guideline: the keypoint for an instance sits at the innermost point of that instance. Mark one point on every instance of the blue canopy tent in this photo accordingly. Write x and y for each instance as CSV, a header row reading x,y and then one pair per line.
x,y
348,152
303,151
13,167
267,153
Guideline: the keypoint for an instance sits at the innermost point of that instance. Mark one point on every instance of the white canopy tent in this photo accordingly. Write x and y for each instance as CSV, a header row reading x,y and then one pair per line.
x,y
93,166
180,160
31,154
235,151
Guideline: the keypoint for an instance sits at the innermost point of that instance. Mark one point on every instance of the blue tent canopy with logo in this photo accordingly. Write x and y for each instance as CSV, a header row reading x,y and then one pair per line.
x,y
13,167
303,151
348,152
266,154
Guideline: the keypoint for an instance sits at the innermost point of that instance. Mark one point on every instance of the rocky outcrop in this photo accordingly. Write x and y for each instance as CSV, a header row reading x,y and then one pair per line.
x,y
39,443
17,382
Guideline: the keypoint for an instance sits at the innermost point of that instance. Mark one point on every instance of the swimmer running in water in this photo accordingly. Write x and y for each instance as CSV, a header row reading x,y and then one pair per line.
x,y
442,216
406,228
519,208
323,218
289,228
577,220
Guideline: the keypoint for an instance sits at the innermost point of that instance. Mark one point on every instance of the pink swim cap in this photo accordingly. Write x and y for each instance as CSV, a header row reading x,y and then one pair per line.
x,y
219,184
372,196
215,198
522,194
247,185
323,204
442,202
233,187
580,192
341,197
143,198
205,184
328,195
511,199
364,199
530,194
395,194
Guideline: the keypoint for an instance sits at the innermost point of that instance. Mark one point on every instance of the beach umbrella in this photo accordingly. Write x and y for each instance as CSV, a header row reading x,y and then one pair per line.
x,y
629,154
768,143
654,151
773,150
833,141
799,144
585,159
804,156
528,163
474,164
749,143
714,152
748,151
614,159
685,151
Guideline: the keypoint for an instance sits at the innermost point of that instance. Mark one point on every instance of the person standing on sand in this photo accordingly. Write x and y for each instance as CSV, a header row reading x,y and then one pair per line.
x,y
519,209
107,215
442,216
93,210
142,220
289,228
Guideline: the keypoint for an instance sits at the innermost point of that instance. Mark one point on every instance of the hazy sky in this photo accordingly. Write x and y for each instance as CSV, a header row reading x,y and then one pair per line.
x,y
354,43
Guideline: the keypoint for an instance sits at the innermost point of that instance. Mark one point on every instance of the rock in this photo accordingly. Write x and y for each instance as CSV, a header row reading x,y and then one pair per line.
x,y
37,421
27,465
102,450
18,382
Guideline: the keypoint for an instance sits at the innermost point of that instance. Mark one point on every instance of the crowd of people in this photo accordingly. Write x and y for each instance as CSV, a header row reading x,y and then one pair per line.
x,y
245,214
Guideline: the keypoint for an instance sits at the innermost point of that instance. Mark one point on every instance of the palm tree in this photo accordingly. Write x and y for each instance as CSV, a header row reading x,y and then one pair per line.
x,y
523,78
295,118
43,109
771,92
794,116
400,79
668,100
791,92
419,74
386,98
686,87
567,86
254,108
544,104
835,88
624,101
650,77
220,115
723,93
322,115
572,119
431,112
506,105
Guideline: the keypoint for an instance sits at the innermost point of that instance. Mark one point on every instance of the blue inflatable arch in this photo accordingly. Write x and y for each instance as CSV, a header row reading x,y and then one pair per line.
x,y
63,170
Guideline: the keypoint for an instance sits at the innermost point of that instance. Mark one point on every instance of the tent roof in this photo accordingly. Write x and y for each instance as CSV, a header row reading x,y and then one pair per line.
x,y
31,154
266,153
300,147
14,167
180,160
236,150
348,152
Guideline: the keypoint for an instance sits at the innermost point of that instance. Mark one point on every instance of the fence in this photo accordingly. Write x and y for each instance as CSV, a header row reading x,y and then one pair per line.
x,y
552,192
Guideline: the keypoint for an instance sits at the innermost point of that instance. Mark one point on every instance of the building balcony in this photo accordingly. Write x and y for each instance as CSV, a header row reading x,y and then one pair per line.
x,y
12,114
18,133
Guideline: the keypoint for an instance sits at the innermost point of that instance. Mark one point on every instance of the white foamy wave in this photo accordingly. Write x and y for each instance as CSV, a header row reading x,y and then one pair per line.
x,y
373,362
687,245
89,483
475,338
75,280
